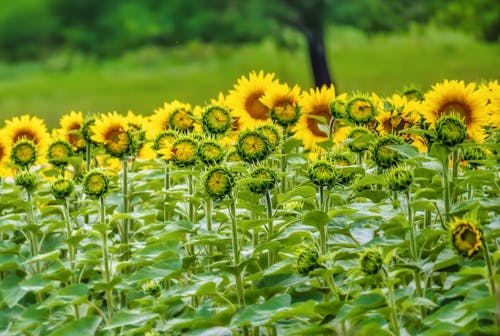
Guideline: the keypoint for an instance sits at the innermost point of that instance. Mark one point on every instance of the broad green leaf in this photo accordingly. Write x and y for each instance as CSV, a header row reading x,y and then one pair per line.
x,y
11,291
129,317
373,195
214,331
463,206
298,193
449,313
261,313
316,218
9,262
35,283
72,294
85,326
406,151
440,152
49,256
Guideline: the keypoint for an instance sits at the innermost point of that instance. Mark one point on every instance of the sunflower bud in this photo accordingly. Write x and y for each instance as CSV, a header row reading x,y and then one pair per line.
x,y
285,115
450,130
272,133
218,182
24,153
252,146
323,173
358,143
210,152
95,183
164,140
466,236
184,151
384,156
62,188
216,120
399,178
58,152
151,287
263,179
337,108
371,261
360,110
475,153
181,120
413,94
26,179
86,130
119,144
307,259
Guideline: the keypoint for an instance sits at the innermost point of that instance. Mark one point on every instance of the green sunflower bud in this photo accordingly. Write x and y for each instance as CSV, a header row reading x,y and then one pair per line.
x,y
472,154
164,140
120,144
151,287
450,130
181,120
216,120
323,173
272,133
307,259
95,183
360,110
285,115
399,178
252,146
59,151
263,179
218,182
62,188
26,179
86,130
24,153
413,94
371,261
210,152
466,236
384,156
359,139
337,109
233,156
185,151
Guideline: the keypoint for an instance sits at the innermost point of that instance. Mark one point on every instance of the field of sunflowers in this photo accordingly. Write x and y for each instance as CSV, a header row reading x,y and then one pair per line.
x,y
271,210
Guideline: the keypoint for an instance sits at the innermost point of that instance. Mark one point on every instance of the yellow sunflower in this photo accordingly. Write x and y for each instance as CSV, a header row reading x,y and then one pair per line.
x,y
71,125
111,130
29,128
492,91
315,111
455,97
244,100
283,103
4,156
180,114
466,236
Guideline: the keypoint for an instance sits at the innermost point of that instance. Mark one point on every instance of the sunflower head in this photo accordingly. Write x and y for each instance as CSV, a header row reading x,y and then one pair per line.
x,y
233,156
184,151
181,120
307,259
473,154
86,130
399,178
262,179
216,120
360,141
24,153
26,179
323,173
252,146
466,236
218,182
360,110
370,261
164,140
95,183
273,134
338,108
384,156
210,152
59,151
450,130
62,188
341,160
413,93
71,125
282,102
285,115
151,287
112,131
28,128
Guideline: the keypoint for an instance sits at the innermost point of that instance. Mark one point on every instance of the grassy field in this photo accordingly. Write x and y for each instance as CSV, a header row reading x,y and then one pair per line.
x,y
143,79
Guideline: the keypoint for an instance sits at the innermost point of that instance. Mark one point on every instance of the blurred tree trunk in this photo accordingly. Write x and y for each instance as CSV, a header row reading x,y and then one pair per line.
x,y
317,57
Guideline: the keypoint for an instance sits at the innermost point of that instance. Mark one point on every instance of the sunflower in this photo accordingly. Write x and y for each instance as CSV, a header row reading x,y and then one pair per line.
x,y
283,103
455,97
466,236
111,130
216,120
4,156
59,151
492,91
360,110
71,125
159,121
253,146
218,182
28,128
315,111
244,100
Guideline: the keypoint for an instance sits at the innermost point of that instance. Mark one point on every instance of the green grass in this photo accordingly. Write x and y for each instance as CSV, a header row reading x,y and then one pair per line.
x,y
143,79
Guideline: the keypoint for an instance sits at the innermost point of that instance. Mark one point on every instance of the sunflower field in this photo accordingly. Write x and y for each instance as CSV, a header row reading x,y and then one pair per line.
x,y
271,210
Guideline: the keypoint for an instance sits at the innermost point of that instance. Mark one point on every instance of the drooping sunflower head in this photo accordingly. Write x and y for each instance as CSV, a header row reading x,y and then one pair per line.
x,y
454,97
184,151
466,236
370,261
341,160
359,139
28,128
262,179
399,178
323,173
337,107
111,130
62,188
210,152
316,114
71,125
136,124
86,130
413,93
244,100
360,110
24,153
59,151
283,104
273,134
252,146
26,180
95,183
474,154
450,130
307,259
216,120
218,182
384,156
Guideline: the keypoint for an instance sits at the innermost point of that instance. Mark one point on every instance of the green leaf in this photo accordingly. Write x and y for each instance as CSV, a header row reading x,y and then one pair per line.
x,y
129,317
406,151
215,331
373,195
35,283
11,291
464,206
85,326
298,193
447,313
316,218
72,294
50,256
445,261
261,313
440,152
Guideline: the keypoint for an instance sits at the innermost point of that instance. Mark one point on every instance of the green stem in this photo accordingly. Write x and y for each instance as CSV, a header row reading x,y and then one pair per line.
x,y
427,218
105,257
126,210
236,253
284,164
166,187
69,235
34,248
446,189
489,266
88,155
270,228
391,301
330,280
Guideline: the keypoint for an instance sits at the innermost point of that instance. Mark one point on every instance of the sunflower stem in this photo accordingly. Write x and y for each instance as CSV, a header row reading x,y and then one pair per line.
x,y
69,234
105,257
236,253
126,210
34,248
270,228
284,162
446,188
166,188
391,301
489,266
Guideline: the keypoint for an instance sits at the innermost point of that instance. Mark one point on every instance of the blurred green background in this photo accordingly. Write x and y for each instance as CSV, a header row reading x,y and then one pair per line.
x,y
105,55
